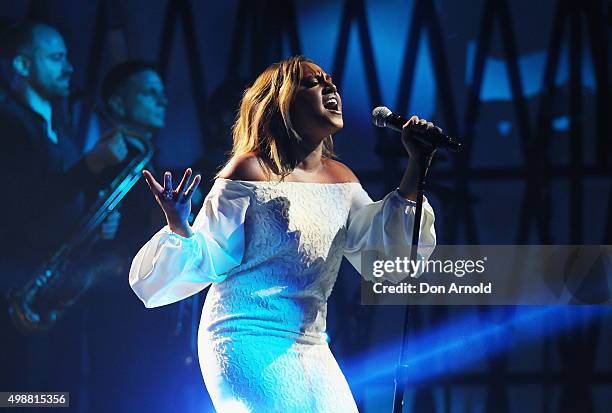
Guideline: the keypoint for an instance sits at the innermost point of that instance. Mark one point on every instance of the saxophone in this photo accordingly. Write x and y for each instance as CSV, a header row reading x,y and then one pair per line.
x,y
35,307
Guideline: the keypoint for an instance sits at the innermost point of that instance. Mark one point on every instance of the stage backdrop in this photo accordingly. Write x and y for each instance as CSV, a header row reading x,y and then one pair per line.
x,y
525,85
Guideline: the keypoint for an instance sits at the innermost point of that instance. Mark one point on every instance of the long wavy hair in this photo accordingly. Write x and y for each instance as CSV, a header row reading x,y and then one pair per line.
x,y
263,124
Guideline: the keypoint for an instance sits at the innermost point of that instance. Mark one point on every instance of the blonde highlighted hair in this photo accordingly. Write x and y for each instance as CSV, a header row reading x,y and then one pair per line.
x,y
264,125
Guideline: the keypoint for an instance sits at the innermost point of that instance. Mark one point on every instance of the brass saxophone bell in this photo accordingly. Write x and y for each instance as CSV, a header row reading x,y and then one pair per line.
x,y
26,317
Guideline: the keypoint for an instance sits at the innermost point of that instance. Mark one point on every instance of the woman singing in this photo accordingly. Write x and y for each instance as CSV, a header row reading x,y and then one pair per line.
x,y
269,240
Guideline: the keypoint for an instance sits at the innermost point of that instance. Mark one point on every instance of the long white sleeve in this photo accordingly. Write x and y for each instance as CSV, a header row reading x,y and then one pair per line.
x,y
386,226
170,267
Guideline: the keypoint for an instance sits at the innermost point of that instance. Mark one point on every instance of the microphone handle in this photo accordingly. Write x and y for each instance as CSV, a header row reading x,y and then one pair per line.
x,y
433,137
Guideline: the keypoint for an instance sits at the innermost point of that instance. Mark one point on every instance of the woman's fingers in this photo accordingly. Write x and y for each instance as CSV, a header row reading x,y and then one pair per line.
x,y
183,183
166,193
419,123
167,182
189,193
155,187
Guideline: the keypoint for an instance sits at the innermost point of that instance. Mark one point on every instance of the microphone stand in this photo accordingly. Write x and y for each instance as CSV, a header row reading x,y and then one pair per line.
x,y
401,373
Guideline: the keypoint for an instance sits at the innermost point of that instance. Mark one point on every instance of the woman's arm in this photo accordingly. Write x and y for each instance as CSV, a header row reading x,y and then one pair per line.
x,y
170,266
420,156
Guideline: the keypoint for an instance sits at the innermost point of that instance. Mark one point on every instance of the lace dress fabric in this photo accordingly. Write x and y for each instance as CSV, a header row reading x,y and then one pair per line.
x,y
271,253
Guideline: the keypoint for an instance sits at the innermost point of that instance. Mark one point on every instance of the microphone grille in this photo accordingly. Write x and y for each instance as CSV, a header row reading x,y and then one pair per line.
x,y
379,116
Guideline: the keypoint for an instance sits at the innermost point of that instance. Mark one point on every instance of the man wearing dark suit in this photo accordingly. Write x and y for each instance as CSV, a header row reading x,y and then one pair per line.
x,y
46,179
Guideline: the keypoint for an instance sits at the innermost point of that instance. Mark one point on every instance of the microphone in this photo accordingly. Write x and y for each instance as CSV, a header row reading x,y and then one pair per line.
x,y
384,118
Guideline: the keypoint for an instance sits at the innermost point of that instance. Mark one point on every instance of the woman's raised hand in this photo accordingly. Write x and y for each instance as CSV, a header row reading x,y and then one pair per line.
x,y
176,203
418,151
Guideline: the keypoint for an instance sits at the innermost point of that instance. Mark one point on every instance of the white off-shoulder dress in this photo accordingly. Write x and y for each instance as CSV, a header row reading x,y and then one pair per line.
x,y
270,253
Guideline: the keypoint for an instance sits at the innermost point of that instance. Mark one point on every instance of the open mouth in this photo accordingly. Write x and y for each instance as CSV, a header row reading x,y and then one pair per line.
x,y
331,104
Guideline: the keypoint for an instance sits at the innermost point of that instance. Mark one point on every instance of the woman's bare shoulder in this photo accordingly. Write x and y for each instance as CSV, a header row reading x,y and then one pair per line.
x,y
245,167
341,172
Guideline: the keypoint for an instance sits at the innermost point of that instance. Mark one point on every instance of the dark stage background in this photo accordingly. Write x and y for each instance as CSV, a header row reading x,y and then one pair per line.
x,y
524,84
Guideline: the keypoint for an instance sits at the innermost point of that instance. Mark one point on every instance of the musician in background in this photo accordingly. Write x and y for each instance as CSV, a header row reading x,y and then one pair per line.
x,y
46,178
134,95
133,108
38,151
